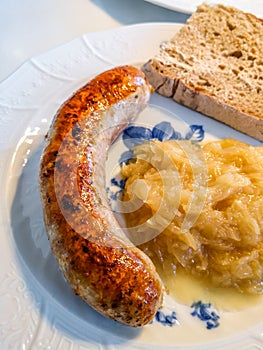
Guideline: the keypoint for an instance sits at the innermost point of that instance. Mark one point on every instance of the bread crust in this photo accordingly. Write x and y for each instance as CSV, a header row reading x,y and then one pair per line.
x,y
192,80
98,261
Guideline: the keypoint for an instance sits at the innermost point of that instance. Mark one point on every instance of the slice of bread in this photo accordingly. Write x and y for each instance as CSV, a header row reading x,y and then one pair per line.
x,y
215,65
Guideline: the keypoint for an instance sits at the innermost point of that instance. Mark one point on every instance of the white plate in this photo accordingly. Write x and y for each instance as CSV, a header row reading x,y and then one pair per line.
x,y
38,309
189,6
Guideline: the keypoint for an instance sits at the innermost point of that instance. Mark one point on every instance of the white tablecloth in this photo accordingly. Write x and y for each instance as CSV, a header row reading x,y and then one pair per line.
x,y
30,27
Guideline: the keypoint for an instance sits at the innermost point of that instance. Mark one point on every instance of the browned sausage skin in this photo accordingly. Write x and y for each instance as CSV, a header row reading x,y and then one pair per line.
x,y
98,261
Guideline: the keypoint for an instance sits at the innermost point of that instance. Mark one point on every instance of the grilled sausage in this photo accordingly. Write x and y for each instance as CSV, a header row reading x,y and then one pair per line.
x,y
99,262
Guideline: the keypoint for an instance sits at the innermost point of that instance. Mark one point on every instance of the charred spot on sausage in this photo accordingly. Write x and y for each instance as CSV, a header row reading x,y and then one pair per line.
x,y
68,205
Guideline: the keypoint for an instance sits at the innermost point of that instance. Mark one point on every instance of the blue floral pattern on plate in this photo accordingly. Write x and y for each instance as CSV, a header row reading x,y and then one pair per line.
x,y
165,319
162,131
134,135
204,312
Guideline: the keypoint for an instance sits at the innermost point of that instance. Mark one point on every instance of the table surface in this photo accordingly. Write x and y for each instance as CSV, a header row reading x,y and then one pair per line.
x,y
30,27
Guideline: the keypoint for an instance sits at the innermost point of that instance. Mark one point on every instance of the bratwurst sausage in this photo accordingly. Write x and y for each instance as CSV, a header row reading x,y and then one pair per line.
x,y
102,266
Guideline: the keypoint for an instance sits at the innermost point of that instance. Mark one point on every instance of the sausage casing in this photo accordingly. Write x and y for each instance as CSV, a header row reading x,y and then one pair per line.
x,y
99,262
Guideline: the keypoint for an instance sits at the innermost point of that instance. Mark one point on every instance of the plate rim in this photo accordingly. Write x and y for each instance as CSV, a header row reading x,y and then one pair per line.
x,y
169,4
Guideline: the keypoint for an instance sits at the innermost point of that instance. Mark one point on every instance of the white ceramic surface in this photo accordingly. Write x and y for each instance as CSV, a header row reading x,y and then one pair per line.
x,y
189,6
37,308
29,28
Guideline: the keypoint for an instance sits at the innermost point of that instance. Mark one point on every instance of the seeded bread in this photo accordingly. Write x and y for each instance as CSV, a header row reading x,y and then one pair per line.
x,y
215,65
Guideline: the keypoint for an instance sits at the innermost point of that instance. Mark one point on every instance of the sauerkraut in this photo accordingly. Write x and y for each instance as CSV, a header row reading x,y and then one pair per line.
x,y
205,204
